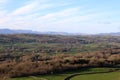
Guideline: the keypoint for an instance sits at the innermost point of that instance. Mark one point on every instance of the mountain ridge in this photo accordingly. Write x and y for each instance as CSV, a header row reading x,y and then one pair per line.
x,y
11,31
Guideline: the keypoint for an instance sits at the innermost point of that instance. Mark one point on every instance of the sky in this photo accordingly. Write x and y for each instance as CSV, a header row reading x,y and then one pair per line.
x,y
73,16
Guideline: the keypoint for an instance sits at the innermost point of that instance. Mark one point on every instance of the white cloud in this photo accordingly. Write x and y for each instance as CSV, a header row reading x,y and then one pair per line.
x,y
2,4
64,19
25,9
59,15
3,1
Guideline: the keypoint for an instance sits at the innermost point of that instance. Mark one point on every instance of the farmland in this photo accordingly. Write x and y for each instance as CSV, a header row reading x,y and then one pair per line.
x,y
33,56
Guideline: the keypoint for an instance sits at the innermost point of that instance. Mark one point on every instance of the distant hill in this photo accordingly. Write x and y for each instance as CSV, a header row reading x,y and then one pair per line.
x,y
10,31
112,34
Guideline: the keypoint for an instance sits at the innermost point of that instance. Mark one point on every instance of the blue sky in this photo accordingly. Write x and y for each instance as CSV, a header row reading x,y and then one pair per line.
x,y
74,16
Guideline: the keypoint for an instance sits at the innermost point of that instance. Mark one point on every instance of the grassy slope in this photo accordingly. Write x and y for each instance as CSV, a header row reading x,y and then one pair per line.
x,y
104,76
63,76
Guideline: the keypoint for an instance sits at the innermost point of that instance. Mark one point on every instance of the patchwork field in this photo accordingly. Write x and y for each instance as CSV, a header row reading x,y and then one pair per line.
x,y
55,57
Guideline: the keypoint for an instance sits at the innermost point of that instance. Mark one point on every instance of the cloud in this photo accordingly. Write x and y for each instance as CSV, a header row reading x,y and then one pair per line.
x,y
47,15
25,9
32,7
2,4
63,19
3,1
60,14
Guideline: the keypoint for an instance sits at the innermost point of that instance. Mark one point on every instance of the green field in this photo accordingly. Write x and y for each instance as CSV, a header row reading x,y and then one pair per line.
x,y
104,76
47,77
